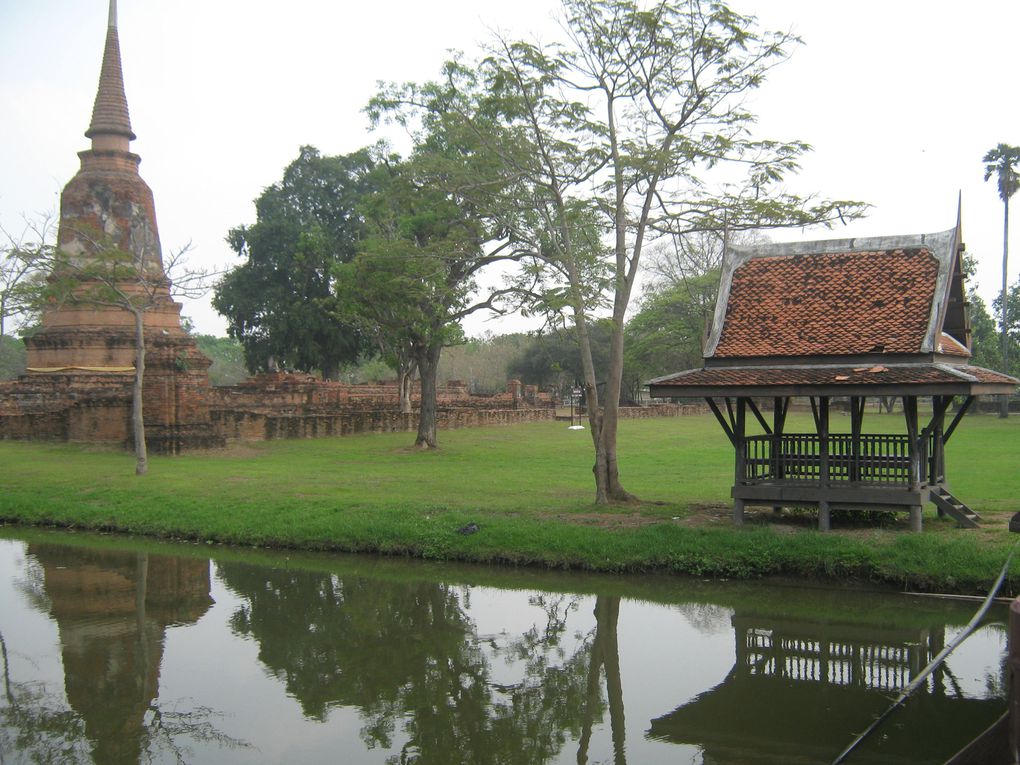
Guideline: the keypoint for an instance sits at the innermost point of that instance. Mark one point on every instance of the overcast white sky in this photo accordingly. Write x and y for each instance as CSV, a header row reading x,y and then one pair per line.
x,y
899,98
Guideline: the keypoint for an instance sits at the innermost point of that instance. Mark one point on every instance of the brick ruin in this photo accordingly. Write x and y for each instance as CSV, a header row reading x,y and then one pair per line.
x,y
278,405
80,364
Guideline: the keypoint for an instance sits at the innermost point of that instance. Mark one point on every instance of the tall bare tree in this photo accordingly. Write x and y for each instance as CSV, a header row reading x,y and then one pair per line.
x,y
609,139
21,273
109,277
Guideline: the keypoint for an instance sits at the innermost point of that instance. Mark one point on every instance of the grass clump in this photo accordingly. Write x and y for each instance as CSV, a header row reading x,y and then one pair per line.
x,y
528,490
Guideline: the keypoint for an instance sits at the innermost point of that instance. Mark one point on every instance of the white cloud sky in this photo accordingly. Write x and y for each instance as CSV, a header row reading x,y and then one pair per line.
x,y
899,99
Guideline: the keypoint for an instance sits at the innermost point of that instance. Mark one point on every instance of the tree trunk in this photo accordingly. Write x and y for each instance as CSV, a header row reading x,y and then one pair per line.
x,y
404,373
1004,312
137,418
427,358
605,653
609,616
330,371
608,488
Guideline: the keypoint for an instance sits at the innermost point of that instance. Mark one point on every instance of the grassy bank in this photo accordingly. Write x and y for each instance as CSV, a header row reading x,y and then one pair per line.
x,y
528,489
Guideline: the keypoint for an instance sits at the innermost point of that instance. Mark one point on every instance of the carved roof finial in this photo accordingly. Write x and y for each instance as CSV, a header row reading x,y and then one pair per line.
x,y
110,111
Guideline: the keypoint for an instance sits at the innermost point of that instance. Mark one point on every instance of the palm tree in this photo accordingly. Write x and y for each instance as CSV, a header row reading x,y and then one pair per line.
x,y
1001,162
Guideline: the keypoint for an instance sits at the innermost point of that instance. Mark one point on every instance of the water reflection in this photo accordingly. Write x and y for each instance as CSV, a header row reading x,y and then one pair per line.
x,y
112,609
408,655
324,658
795,683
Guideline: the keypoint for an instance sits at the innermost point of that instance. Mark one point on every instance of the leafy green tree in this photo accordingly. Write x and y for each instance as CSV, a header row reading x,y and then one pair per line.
x,y
604,140
1001,163
667,333
1011,364
413,279
12,357
227,356
22,276
484,362
551,359
325,636
281,303
986,348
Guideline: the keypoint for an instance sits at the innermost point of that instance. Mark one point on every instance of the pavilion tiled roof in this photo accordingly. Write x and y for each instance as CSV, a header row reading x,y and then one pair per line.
x,y
854,317
950,346
832,375
830,304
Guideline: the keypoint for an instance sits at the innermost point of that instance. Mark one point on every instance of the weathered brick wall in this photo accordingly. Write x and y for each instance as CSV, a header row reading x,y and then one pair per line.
x,y
86,407
239,426
95,407
661,410
298,392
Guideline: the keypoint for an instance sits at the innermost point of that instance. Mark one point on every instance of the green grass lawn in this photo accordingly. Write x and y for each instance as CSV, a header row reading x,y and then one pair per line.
x,y
529,489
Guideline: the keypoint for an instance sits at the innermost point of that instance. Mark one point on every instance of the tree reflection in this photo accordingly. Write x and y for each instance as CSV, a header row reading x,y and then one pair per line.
x,y
604,654
36,725
112,609
407,654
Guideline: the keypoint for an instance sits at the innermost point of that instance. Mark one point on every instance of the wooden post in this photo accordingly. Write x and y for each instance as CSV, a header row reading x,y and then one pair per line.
x,y
824,515
856,425
1013,671
823,461
914,452
779,406
740,443
916,518
937,460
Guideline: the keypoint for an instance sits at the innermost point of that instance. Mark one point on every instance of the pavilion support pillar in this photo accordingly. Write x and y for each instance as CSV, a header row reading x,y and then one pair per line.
x,y
857,404
916,518
740,445
937,459
916,457
824,515
780,405
822,424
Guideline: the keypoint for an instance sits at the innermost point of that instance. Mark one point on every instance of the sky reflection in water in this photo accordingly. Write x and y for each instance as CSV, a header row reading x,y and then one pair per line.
x,y
121,654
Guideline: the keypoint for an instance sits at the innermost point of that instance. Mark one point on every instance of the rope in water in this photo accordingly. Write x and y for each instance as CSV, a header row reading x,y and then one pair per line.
x,y
934,664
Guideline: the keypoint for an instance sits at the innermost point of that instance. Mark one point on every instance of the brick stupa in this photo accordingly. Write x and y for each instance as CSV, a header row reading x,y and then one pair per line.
x,y
80,363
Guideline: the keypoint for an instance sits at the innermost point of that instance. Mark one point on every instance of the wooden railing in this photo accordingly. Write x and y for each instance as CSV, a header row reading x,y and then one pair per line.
x,y
875,666
882,459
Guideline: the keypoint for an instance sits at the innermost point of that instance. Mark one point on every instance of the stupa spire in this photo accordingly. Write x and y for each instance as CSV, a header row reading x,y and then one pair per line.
x,y
110,111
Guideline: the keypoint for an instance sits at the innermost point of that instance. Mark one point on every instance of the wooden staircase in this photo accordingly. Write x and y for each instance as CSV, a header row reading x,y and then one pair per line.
x,y
950,505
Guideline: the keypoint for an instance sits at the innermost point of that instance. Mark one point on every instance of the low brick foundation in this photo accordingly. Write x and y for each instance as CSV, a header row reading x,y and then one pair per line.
x,y
184,413
661,410
238,426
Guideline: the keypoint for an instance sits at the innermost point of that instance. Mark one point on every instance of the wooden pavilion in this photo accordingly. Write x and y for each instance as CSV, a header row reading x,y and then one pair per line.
x,y
842,319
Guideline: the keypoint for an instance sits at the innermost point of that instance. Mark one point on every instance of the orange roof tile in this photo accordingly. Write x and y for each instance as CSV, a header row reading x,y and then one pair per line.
x,y
829,375
950,346
830,304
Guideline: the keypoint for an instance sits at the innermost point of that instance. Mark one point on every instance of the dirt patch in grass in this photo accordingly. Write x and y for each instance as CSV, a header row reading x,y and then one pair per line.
x,y
610,520
788,521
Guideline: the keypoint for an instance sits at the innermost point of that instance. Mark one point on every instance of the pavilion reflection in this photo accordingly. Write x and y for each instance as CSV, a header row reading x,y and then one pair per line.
x,y
112,609
800,690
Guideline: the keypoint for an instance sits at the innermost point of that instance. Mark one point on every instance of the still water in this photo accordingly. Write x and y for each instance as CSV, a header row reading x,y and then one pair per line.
x,y
122,652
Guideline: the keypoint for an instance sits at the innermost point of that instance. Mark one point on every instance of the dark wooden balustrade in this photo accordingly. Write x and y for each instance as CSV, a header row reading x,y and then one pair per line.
x,y
879,459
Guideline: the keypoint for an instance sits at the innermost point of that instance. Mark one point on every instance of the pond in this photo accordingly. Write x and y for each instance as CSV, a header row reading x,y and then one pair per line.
x,y
123,651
